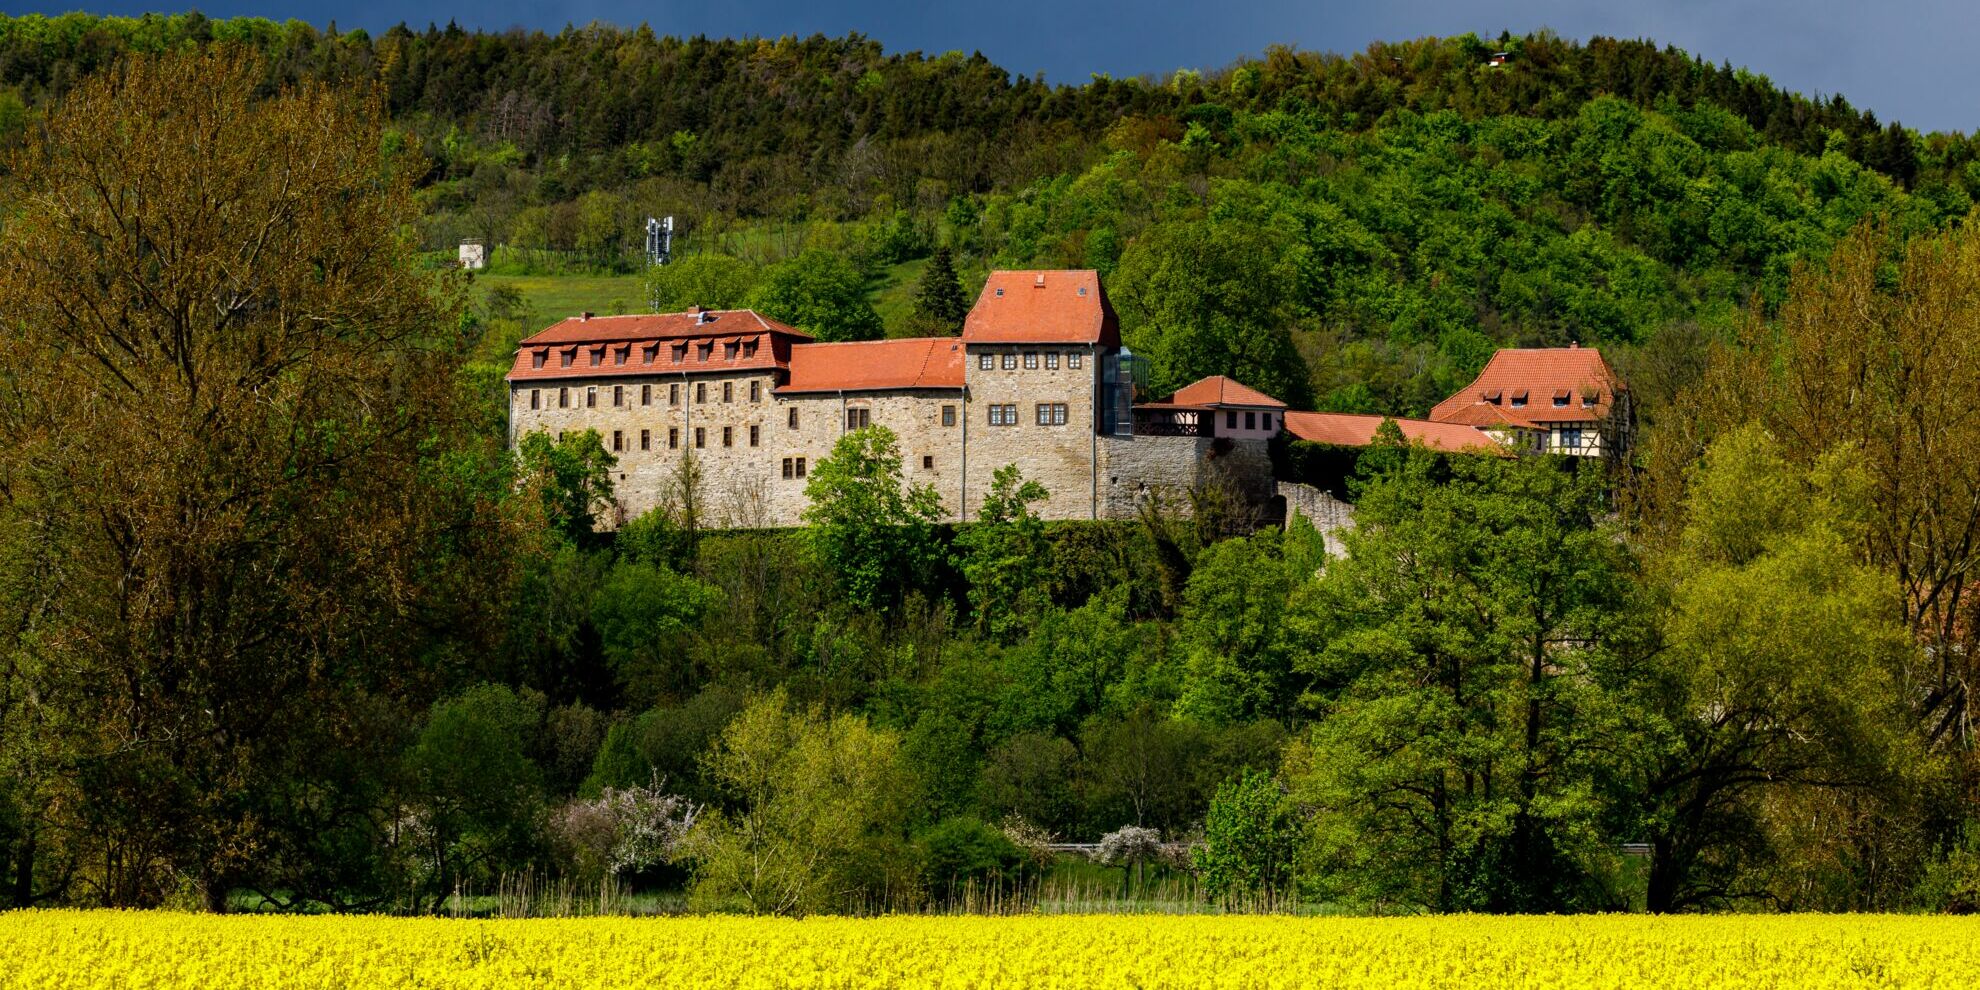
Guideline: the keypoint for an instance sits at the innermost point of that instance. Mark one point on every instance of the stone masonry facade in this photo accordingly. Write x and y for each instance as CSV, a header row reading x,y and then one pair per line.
x,y
756,405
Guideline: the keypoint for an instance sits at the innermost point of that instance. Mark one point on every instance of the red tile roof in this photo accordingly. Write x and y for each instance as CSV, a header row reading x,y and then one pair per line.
x,y
918,362
1357,430
1218,390
1519,387
1043,307
667,343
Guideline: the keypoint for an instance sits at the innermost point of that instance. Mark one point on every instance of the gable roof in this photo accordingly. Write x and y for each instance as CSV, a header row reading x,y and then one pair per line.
x,y
867,365
659,326
1521,386
644,344
1218,390
1358,430
1042,307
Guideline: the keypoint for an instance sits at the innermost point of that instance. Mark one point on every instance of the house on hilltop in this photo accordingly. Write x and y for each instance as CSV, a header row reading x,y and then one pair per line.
x,y
1556,400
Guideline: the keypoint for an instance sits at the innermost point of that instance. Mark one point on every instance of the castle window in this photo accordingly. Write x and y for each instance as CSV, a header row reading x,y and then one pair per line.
x,y
791,414
728,391
927,463
858,418
591,397
1250,420
700,437
1073,360
985,362
755,391
534,399
728,436
618,441
1031,360
1051,360
753,435
800,467
646,395
646,439
1010,361
536,358
674,394
673,437
1003,414
563,398
700,393
948,415
1051,414
618,396
787,467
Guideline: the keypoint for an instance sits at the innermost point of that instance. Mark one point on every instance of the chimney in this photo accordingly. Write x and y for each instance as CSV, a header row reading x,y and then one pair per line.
x,y
1574,345
584,317
694,309
1040,282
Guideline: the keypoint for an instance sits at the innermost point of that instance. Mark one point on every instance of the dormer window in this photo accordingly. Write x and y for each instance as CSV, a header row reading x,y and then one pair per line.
x,y
1588,399
564,358
537,358
1493,395
680,353
1519,399
1000,291
702,353
620,357
1560,398
749,349
647,353
597,356
729,351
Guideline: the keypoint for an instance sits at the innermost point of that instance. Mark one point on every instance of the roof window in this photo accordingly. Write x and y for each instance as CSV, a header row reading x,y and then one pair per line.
x,y
1519,398
1560,398
680,353
1493,395
536,358
1000,290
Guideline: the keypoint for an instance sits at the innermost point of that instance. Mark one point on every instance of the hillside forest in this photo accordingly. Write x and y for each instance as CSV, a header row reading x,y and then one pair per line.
x,y
289,626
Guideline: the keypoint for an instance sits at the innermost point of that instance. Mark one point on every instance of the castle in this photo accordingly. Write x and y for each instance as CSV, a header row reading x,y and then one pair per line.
x,y
1038,379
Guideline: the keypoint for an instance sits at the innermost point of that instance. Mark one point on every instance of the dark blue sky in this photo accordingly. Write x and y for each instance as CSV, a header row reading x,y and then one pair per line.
x,y
1905,59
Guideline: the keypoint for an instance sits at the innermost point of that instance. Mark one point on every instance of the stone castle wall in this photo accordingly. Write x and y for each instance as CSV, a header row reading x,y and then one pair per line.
x,y
656,421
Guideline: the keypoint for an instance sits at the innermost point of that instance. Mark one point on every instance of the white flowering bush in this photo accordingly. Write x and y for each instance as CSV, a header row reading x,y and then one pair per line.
x,y
621,831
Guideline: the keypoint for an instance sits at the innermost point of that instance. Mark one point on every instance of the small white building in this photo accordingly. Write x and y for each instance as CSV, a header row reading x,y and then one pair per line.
x,y
474,255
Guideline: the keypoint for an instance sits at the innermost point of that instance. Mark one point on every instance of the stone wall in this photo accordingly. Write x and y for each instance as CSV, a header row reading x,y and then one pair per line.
x,y
1329,515
656,421
1062,457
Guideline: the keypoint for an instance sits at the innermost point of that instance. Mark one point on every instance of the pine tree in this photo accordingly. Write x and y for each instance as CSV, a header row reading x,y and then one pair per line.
x,y
939,301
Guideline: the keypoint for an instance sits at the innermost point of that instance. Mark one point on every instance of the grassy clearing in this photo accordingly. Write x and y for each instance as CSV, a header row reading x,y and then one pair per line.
x,y
553,297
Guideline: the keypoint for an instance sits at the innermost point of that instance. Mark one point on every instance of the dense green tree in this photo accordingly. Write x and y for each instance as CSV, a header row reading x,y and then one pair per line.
x,y
1249,839
1004,555
643,614
1465,680
939,303
819,293
1779,667
711,281
865,525
480,793
572,474
813,816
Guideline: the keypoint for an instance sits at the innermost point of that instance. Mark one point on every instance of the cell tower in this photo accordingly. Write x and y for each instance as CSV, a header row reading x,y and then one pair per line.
x,y
659,240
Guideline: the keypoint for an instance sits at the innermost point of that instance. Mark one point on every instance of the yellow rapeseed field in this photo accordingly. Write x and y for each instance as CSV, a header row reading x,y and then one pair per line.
x,y
54,949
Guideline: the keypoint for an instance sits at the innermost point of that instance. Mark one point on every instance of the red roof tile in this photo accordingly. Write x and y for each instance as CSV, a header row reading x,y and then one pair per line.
x,y
1043,307
1357,430
1537,378
918,362
1218,390
665,343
